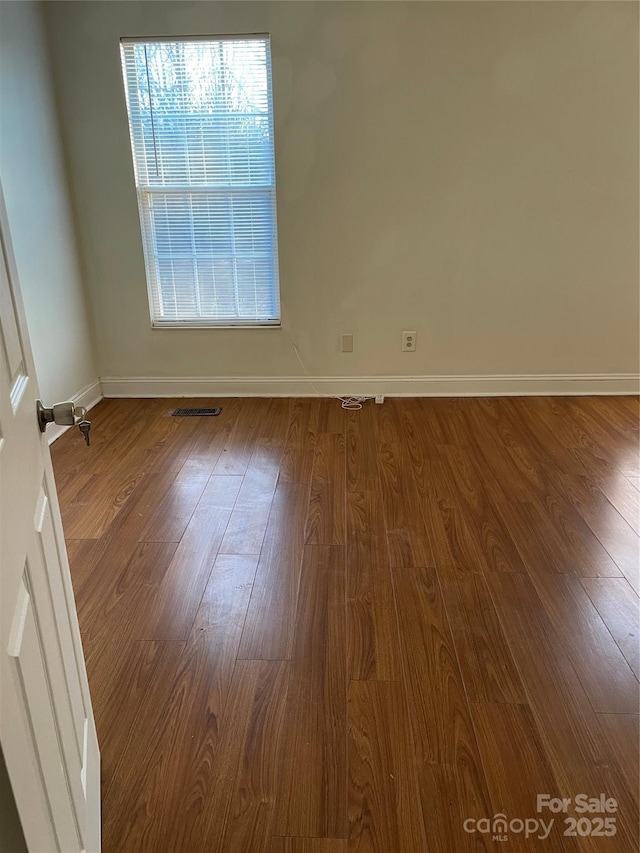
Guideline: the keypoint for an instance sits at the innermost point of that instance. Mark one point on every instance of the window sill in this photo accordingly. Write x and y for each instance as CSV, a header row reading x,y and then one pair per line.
x,y
266,325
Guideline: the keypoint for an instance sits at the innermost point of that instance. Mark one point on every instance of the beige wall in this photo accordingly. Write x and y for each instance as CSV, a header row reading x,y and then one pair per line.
x,y
37,199
467,170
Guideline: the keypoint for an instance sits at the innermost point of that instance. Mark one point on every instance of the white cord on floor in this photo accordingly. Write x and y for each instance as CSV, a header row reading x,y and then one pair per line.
x,y
353,403
350,403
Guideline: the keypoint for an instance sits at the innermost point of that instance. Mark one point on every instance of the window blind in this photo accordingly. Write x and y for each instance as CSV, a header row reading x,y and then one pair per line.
x,y
201,126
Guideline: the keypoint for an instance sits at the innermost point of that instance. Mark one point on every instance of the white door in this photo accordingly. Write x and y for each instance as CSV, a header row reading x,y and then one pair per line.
x,y
47,732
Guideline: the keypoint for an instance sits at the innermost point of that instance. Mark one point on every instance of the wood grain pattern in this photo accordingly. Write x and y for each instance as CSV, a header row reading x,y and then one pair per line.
x,y
624,496
485,660
361,450
326,517
508,738
238,447
254,788
297,459
546,545
577,751
120,682
268,628
373,648
581,633
555,693
620,611
451,779
279,844
619,540
622,732
406,531
181,589
384,806
182,731
312,783
248,522
309,630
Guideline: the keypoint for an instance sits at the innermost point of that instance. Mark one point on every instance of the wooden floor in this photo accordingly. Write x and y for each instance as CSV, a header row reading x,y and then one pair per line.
x,y
316,631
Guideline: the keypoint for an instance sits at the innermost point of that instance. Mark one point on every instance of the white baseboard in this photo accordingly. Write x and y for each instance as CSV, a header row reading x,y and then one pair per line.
x,y
87,397
390,386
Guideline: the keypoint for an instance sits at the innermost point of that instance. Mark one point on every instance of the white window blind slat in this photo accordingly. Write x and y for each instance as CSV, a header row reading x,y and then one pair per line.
x,y
201,126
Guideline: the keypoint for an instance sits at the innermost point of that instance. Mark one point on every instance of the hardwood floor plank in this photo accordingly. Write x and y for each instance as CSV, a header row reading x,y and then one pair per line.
x,y
373,648
538,431
187,439
373,632
488,671
607,524
546,546
174,511
279,844
105,595
384,808
361,450
274,422
133,582
450,773
202,742
312,782
365,517
406,530
619,609
82,555
115,429
622,732
624,496
332,418
470,490
297,460
120,677
517,771
179,594
250,815
105,489
178,726
610,427
250,515
326,518
578,754
554,691
450,415
453,542
469,533
226,802
130,799
268,629
237,449
578,629
631,404
422,434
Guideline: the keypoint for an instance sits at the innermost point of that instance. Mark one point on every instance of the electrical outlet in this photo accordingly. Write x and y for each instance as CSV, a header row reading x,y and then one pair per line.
x,y
347,343
409,341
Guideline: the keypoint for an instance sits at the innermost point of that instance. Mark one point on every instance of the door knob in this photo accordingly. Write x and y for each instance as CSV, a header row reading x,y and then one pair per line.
x,y
63,414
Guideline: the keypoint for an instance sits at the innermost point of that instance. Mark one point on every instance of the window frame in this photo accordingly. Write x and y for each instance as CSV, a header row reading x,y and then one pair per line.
x,y
147,190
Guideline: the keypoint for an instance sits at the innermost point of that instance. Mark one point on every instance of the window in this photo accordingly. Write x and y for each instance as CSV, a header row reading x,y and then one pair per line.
x,y
201,125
